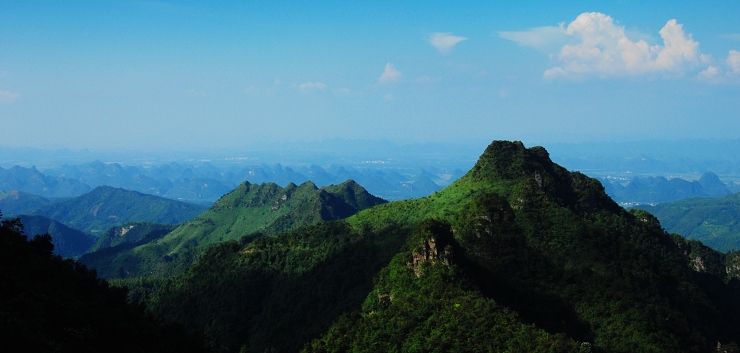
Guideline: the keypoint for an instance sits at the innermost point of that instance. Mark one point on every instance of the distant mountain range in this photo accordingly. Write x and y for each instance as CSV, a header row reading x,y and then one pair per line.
x,y
653,190
204,183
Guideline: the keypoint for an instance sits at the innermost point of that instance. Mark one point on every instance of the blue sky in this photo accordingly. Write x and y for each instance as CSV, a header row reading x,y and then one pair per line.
x,y
187,74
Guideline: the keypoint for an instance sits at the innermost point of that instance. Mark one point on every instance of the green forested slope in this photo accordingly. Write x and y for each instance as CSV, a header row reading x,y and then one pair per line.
x,y
541,260
267,208
131,233
14,202
106,207
714,222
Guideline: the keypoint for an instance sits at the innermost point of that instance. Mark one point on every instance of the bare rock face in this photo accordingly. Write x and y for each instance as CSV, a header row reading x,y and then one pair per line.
x,y
435,246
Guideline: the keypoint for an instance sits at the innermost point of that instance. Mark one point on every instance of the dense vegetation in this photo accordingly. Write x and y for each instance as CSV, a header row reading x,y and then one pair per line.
x,y
131,233
48,304
120,240
517,255
267,208
424,302
106,207
714,222
277,292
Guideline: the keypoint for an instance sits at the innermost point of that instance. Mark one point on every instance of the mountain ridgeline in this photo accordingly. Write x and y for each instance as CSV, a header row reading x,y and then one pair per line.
x,y
106,207
266,208
517,255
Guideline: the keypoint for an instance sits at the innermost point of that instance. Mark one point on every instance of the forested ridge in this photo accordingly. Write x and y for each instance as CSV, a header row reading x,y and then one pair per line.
x,y
714,222
266,208
517,255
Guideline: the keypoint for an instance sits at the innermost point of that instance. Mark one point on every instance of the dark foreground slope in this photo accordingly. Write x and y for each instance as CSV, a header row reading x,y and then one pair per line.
x,y
714,222
517,255
48,304
267,208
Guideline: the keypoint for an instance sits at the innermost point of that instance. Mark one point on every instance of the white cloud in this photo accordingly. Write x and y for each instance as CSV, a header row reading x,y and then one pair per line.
x,y
593,44
444,42
709,73
7,97
732,36
310,87
389,74
733,61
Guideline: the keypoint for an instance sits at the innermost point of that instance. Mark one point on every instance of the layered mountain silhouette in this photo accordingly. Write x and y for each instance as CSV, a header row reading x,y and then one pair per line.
x,y
518,255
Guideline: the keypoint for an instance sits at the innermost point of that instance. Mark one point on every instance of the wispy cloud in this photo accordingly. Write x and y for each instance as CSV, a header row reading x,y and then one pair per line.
x,y
732,36
390,74
444,42
7,97
733,61
310,87
547,38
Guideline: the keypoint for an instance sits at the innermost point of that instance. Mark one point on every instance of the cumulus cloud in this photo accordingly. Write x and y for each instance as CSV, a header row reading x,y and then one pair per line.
x,y
593,44
733,61
709,73
444,42
7,97
728,69
389,74
310,87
